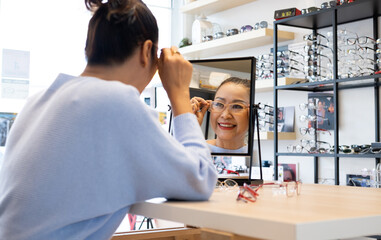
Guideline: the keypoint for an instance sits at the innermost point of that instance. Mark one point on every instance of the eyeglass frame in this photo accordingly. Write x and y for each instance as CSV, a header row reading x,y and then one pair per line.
x,y
227,106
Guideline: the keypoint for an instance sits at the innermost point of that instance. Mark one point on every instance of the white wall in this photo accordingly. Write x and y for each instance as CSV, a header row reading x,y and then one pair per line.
x,y
356,105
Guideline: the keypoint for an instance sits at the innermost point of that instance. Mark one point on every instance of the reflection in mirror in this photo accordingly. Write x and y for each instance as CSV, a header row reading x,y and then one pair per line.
x,y
221,99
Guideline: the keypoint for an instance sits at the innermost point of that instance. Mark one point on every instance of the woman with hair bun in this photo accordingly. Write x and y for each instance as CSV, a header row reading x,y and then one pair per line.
x,y
83,151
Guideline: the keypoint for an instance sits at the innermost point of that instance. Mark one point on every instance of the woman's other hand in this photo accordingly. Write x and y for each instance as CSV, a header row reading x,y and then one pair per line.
x,y
199,107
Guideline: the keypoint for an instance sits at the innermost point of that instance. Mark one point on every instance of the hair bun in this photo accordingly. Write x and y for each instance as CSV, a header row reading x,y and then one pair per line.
x,y
93,5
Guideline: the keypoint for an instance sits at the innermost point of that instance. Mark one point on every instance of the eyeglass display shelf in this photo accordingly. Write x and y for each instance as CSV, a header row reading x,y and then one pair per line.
x,y
281,136
209,7
346,13
246,40
341,155
355,82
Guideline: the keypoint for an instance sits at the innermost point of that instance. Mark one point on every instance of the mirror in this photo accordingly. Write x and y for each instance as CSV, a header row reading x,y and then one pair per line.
x,y
227,86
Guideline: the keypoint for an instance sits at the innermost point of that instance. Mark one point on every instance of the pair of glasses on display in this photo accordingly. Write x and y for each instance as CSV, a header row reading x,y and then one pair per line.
x,y
312,118
265,65
234,108
315,37
312,131
290,70
312,143
231,32
265,57
313,58
309,105
228,184
361,40
329,4
265,73
312,150
266,108
265,116
266,123
259,25
316,48
288,62
248,193
309,10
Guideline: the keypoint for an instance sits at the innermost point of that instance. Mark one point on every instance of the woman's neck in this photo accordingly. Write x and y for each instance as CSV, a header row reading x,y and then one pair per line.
x,y
232,144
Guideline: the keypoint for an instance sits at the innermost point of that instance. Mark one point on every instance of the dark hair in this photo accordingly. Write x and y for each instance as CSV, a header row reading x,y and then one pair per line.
x,y
116,29
238,81
287,168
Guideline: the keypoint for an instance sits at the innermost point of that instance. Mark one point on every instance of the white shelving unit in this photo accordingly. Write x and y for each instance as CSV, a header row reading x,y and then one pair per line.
x,y
208,7
252,39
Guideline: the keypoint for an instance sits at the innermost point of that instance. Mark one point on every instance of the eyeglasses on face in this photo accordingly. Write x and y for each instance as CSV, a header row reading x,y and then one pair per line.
x,y
232,107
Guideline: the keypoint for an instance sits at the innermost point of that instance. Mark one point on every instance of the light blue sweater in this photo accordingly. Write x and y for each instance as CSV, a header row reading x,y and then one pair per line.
x,y
81,152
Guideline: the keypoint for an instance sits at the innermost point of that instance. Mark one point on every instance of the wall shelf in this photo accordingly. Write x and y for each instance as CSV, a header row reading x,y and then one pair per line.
x,y
209,7
267,85
252,39
281,135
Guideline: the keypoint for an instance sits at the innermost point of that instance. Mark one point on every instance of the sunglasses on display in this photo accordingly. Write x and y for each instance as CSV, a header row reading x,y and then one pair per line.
x,y
246,28
231,32
262,24
329,4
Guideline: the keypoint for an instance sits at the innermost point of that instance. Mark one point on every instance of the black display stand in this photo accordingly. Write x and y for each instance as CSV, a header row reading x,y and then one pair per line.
x,y
332,17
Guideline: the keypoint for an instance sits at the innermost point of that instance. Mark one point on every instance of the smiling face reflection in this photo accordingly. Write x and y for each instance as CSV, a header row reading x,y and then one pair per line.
x,y
229,116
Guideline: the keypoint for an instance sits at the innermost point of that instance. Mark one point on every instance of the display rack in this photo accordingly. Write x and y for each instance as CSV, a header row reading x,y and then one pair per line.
x,y
255,38
332,17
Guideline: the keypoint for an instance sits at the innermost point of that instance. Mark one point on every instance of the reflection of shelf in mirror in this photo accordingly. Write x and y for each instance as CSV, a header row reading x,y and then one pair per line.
x,y
208,7
281,135
241,176
268,84
252,39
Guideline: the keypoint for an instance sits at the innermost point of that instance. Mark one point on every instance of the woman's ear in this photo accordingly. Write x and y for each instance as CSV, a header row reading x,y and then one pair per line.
x,y
145,54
